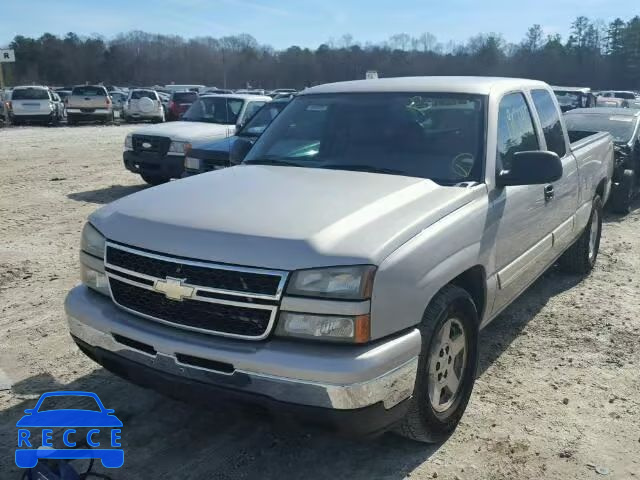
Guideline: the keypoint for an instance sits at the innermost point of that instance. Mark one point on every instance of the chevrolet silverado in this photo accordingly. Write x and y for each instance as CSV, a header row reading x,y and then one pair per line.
x,y
343,271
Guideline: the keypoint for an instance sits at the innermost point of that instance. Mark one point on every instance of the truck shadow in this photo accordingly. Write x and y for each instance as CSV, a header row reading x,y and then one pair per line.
x,y
107,194
163,438
612,217
500,333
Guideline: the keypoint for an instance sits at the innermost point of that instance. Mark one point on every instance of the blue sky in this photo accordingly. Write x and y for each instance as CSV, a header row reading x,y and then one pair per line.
x,y
282,23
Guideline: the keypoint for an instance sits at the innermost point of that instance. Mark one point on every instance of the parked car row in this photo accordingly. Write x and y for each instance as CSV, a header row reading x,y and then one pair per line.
x,y
583,97
83,103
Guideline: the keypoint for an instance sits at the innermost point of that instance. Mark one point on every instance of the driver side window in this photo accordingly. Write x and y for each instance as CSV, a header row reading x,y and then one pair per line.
x,y
516,132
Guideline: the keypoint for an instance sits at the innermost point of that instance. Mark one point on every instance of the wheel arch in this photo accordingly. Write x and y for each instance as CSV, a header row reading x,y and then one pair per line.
x,y
474,282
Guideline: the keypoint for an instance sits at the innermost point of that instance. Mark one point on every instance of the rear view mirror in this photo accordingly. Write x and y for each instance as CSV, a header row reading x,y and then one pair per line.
x,y
531,168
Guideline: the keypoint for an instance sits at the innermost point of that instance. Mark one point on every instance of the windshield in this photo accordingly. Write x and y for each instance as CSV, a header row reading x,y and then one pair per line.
x,y
438,136
621,127
138,94
262,119
89,91
215,110
30,94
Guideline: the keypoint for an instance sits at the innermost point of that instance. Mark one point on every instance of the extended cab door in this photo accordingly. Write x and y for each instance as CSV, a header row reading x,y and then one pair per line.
x,y
524,226
562,195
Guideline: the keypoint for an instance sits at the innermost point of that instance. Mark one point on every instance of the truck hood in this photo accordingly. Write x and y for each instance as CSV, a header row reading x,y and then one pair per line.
x,y
280,217
188,131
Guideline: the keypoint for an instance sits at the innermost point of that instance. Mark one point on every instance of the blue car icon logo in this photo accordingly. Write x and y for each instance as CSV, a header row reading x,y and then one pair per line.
x,y
35,431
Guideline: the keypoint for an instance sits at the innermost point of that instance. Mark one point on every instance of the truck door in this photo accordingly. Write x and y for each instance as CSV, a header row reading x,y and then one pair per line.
x,y
523,228
562,195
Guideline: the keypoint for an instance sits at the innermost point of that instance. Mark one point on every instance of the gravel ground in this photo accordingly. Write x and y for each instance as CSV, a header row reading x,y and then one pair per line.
x,y
557,396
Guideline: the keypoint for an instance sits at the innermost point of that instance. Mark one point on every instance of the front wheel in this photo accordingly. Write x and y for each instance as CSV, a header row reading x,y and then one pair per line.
x,y
623,192
446,367
154,179
581,257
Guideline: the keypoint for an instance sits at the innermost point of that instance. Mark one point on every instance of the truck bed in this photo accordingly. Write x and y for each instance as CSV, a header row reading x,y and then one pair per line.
x,y
593,153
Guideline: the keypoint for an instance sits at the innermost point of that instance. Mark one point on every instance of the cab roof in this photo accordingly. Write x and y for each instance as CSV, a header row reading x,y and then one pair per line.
x,y
471,85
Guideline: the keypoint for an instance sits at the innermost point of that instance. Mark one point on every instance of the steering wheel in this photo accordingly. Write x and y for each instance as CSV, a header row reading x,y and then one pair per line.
x,y
462,165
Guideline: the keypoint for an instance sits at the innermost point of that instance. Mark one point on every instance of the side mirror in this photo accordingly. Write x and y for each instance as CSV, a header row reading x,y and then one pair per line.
x,y
531,168
239,150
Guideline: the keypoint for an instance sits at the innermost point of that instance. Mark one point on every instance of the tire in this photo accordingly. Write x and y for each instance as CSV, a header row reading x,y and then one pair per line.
x,y
622,195
71,120
423,422
154,179
581,257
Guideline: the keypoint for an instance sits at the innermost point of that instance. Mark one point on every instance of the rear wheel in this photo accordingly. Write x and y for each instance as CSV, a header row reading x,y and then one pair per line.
x,y
581,257
154,179
446,367
622,194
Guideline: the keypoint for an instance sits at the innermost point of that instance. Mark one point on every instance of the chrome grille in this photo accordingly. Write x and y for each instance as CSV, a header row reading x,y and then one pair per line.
x,y
232,301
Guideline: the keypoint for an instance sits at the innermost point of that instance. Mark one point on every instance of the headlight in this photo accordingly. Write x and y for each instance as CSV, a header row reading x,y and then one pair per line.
x,y
191,163
128,142
179,147
342,283
94,279
92,241
324,327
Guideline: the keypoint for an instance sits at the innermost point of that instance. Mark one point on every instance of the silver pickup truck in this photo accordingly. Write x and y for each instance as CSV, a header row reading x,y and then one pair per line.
x,y
342,272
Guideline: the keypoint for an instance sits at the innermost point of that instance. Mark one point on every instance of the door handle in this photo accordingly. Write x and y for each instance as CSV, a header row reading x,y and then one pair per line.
x,y
548,193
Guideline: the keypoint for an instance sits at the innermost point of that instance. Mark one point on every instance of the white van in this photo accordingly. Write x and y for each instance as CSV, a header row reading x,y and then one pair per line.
x,y
182,88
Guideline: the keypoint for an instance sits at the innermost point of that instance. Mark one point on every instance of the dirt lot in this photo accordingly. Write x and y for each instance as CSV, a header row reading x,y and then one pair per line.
x,y
558,393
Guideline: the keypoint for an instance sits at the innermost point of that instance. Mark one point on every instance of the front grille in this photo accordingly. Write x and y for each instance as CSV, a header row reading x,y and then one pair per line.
x,y
211,277
211,317
155,144
224,300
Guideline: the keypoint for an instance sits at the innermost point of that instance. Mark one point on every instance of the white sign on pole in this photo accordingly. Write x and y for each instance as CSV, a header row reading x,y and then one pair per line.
x,y
7,56
371,74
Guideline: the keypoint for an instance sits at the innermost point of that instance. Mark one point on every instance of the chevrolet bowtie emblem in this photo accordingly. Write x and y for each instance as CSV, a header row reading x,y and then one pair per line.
x,y
173,288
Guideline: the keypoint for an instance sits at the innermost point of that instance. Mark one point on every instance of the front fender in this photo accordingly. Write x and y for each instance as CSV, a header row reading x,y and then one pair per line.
x,y
408,278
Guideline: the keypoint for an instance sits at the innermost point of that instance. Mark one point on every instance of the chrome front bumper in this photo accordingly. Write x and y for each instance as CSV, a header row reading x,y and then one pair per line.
x,y
329,376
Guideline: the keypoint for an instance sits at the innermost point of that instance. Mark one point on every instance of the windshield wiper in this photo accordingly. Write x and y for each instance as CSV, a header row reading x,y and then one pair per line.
x,y
272,161
363,168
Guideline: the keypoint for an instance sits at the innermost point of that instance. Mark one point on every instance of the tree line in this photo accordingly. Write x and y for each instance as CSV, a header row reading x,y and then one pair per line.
x,y
595,54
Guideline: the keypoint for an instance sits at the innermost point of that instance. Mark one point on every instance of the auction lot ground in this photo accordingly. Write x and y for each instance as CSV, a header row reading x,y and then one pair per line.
x,y
557,396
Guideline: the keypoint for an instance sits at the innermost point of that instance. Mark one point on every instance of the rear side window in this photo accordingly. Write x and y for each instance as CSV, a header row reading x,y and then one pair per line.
x,y
550,120
185,97
30,94
138,94
515,129
88,91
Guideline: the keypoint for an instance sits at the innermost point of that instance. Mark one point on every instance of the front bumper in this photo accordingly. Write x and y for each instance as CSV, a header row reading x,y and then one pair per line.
x,y
270,373
152,163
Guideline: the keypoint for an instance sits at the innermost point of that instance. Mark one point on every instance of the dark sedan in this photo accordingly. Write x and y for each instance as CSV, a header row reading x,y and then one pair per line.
x,y
624,126
207,156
